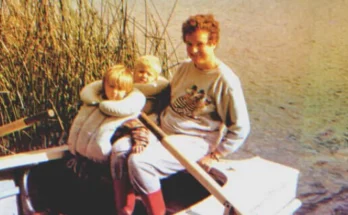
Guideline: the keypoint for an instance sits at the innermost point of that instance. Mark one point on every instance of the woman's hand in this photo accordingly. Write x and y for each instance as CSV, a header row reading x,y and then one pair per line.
x,y
208,160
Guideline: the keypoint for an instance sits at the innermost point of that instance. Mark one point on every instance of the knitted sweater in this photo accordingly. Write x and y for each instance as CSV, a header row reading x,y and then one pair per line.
x,y
204,100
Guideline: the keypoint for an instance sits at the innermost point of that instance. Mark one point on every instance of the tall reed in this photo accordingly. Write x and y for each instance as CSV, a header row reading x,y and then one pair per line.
x,y
51,49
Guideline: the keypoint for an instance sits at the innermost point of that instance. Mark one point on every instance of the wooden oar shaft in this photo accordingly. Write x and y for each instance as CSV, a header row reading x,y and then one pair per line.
x,y
192,167
24,122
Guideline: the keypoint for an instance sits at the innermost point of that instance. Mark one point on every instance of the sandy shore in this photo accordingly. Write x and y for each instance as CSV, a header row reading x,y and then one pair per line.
x,y
291,57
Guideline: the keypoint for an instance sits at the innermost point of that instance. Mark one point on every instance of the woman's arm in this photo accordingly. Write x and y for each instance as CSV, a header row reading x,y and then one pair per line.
x,y
232,109
233,112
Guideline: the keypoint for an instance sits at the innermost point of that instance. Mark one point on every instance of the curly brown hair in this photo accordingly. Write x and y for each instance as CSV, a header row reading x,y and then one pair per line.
x,y
202,22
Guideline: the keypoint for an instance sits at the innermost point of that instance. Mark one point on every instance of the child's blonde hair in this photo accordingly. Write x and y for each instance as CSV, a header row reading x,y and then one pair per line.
x,y
151,62
120,76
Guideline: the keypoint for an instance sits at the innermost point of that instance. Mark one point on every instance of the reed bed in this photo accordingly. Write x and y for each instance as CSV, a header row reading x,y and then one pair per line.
x,y
51,49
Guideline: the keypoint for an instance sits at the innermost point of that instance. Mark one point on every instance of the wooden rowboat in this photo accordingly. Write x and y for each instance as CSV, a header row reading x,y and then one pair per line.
x,y
40,182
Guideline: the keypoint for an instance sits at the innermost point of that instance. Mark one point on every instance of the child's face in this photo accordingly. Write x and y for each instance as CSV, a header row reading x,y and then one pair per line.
x,y
143,75
112,92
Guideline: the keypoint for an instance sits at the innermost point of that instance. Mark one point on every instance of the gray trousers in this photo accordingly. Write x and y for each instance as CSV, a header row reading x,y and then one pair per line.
x,y
146,169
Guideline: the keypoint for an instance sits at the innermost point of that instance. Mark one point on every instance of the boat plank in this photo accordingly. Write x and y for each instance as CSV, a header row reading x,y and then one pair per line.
x,y
255,186
32,157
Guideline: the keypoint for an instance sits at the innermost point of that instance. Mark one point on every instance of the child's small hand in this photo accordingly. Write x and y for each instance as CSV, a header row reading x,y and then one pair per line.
x,y
138,148
140,138
139,135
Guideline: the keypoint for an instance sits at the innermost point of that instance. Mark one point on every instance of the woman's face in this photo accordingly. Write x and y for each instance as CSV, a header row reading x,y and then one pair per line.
x,y
113,92
200,50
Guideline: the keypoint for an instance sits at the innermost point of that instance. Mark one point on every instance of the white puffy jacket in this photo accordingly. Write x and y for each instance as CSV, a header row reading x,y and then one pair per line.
x,y
97,120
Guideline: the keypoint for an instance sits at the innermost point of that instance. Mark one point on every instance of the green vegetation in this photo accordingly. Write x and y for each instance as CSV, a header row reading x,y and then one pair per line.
x,y
51,49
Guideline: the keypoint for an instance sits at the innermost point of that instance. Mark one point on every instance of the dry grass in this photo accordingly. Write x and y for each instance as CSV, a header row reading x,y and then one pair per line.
x,y
51,49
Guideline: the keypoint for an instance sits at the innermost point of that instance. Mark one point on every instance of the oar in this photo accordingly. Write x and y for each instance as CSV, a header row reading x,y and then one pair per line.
x,y
192,167
25,122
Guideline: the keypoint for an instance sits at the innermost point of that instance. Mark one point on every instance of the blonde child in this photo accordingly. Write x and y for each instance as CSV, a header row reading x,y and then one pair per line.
x,y
103,112
147,78
109,113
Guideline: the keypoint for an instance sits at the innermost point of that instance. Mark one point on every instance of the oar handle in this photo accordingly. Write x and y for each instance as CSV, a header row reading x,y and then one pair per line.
x,y
157,131
192,167
25,122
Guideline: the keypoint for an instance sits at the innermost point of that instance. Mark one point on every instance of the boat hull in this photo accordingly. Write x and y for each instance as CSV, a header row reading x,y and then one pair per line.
x,y
42,182
53,188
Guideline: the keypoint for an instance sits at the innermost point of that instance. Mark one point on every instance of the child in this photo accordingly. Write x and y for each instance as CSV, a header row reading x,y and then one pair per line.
x,y
103,112
147,78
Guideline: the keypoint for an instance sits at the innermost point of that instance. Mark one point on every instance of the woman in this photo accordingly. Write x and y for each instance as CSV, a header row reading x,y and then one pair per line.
x,y
205,94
